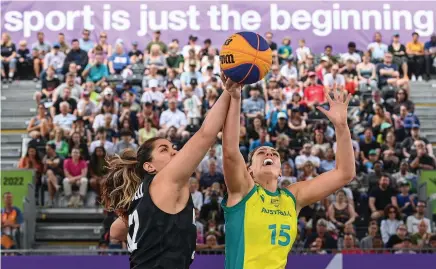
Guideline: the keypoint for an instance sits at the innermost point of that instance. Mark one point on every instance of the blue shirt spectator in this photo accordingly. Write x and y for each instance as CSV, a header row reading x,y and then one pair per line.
x,y
119,60
254,105
86,43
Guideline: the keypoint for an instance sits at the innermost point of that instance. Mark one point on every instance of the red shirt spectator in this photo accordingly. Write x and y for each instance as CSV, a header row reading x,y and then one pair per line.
x,y
314,94
74,169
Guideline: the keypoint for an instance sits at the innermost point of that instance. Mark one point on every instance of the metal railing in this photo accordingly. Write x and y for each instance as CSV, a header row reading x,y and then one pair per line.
x,y
28,228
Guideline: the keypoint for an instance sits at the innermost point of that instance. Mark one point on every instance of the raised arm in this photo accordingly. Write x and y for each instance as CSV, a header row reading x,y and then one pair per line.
x,y
181,167
236,176
308,192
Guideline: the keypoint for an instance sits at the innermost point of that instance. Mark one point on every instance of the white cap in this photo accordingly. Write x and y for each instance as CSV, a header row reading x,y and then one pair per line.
x,y
153,83
108,91
325,58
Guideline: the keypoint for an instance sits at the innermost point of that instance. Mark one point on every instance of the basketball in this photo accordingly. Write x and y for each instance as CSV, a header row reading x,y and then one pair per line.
x,y
245,57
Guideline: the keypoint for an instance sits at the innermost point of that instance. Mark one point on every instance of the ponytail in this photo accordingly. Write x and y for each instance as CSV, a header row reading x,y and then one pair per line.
x,y
121,182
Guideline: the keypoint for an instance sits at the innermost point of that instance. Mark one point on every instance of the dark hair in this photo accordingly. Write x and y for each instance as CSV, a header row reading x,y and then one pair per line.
x,y
74,40
124,177
97,164
388,208
61,34
328,47
36,155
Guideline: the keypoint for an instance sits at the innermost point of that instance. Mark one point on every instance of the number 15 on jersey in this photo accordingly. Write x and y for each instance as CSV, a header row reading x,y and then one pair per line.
x,y
284,239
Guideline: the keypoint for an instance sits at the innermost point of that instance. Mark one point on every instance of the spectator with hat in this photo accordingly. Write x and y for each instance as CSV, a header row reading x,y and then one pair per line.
x,y
187,76
136,55
125,142
153,95
281,127
288,70
55,58
192,45
415,53
352,54
86,108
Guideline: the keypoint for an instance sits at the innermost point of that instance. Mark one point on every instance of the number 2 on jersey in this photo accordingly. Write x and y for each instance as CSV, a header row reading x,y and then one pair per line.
x,y
131,241
284,237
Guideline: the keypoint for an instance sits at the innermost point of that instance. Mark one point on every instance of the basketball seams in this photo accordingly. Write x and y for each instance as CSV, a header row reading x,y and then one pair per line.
x,y
252,65
249,54
241,63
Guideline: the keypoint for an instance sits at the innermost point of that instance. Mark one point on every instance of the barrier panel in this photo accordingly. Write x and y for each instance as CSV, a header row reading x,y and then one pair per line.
x,y
16,182
338,261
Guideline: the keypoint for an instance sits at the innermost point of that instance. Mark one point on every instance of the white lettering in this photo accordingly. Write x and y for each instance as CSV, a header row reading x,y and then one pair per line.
x,y
13,22
250,20
276,14
355,15
366,17
225,18
71,17
177,20
193,13
301,20
214,13
107,17
61,20
425,28
322,28
29,26
120,20
143,28
397,15
87,14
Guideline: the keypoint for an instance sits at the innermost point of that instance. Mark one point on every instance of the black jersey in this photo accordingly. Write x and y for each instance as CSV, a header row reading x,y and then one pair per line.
x,y
158,240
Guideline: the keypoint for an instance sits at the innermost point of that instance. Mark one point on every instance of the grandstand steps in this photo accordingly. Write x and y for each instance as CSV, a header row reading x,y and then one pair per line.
x,y
10,149
423,94
78,214
16,122
67,245
68,231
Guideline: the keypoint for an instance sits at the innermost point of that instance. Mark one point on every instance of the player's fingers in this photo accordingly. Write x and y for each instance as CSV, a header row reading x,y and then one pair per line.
x,y
336,94
327,95
323,110
347,101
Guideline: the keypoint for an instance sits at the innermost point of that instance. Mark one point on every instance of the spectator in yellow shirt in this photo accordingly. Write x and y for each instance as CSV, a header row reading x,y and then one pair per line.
x,y
415,52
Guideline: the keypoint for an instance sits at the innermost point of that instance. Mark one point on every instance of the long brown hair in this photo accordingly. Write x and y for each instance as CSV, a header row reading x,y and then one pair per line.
x,y
125,173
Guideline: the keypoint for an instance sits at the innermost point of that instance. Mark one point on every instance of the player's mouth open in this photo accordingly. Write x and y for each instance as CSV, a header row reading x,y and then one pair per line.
x,y
268,162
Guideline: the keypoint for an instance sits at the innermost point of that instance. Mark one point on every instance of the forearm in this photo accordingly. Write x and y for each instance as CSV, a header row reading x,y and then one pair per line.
x,y
216,116
232,128
344,163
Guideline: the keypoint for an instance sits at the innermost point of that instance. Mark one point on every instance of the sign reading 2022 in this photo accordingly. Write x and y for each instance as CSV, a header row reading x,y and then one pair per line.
x,y
13,181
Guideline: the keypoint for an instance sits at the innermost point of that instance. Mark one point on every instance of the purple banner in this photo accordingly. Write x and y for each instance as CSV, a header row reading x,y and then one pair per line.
x,y
336,23
339,261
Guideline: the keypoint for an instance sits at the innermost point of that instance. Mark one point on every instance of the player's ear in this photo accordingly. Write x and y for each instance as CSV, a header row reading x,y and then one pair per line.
x,y
250,171
149,168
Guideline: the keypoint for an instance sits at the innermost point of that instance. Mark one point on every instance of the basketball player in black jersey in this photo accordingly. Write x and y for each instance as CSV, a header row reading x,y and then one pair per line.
x,y
149,190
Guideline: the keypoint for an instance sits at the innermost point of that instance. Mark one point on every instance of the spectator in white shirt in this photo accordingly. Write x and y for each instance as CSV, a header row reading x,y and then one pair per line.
x,y
54,58
70,83
197,197
191,45
86,108
334,80
378,49
152,94
305,156
102,141
351,54
64,120
302,51
289,70
414,220
106,111
172,117
192,106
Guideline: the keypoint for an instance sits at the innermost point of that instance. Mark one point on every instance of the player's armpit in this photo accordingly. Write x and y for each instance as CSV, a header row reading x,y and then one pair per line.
x,y
119,230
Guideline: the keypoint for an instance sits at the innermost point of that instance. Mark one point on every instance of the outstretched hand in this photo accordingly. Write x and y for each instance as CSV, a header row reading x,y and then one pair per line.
x,y
338,112
233,88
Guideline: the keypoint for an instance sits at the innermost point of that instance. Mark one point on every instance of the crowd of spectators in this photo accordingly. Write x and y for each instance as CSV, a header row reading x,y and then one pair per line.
x,y
97,99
